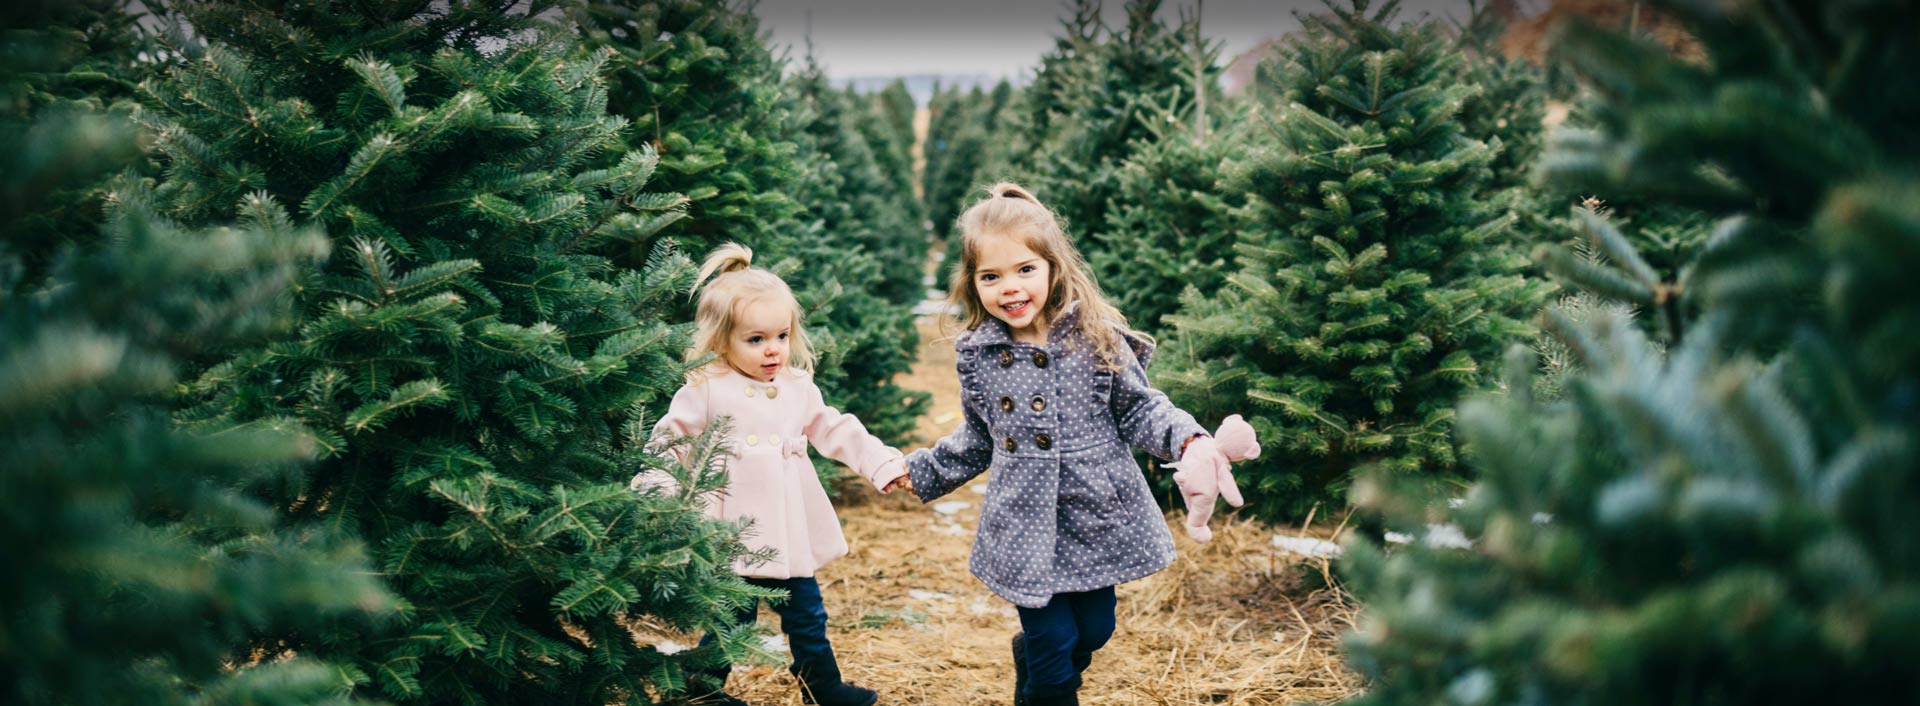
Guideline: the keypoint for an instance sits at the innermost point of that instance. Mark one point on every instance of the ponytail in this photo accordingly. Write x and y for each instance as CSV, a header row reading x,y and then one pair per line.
x,y
723,259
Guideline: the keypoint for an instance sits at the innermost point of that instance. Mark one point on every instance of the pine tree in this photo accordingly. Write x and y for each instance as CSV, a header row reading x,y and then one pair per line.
x,y
476,371
1374,279
696,80
962,129
1168,221
1170,224
886,122
1089,106
77,59
858,268
139,564
1723,514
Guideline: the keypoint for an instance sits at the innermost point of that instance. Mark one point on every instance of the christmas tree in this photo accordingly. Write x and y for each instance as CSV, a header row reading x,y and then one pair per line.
x,y
1722,514
698,83
1168,220
1374,278
962,127
77,59
474,368
141,568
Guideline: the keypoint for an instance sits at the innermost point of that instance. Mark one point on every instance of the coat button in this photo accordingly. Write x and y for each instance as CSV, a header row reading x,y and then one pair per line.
x,y
773,392
1011,445
1039,404
1040,359
1006,358
1043,441
753,440
773,440
749,390
1006,404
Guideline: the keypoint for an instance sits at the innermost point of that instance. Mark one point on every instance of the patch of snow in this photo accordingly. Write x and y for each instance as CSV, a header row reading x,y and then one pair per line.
x,y
981,607
950,529
774,643
1447,536
1399,538
920,595
1541,518
669,647
979,488
1306,546
950,507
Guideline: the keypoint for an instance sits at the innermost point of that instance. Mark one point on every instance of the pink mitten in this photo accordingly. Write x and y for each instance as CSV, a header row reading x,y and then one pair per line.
x,y
1204,472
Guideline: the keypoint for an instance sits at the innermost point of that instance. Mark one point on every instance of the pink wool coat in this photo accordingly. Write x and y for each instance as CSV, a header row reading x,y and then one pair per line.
x,y
771,479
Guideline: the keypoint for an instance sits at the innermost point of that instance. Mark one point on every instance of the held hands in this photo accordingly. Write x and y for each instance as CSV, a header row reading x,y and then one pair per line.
x,y
899,482
1204,473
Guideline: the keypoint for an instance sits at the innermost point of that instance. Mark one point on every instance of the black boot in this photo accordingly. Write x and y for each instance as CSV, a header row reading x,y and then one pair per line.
x,y
820,684
1019,669
707,692
1064,695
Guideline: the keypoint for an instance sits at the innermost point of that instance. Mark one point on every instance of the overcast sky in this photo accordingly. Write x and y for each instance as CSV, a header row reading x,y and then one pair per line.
x,y
1000,38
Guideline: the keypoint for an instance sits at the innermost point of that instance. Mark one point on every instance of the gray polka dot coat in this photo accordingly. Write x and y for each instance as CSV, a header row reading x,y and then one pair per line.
x,y
1067,508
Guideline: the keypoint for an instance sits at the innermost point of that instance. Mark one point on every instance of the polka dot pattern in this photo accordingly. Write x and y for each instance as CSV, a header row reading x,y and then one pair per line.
x,y
1067,509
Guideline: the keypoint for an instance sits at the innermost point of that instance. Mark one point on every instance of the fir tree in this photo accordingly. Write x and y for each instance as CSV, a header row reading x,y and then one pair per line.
x,y
474,368
857,267
139,565
1170,225
1374,279
1723,515
1089,106
78,60
1168,220
961,130
695,79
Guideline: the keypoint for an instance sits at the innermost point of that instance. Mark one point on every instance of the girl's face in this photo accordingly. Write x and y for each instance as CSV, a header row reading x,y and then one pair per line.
x,y
1011,281
758,345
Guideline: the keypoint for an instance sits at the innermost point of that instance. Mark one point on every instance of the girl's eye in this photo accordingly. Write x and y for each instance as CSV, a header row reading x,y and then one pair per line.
x,y
755,340
783,337
1026,270
989,278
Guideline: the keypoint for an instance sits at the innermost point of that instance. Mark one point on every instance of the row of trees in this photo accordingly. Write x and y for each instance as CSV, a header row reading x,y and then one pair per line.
x,y
334,331
1693,483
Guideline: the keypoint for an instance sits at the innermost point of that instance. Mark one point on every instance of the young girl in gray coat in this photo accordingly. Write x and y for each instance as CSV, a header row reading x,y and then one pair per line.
x,y
1054,392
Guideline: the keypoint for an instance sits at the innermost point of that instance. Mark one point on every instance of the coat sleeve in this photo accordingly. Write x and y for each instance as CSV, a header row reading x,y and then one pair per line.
x,y
686,416
841,437
954,459
1146,418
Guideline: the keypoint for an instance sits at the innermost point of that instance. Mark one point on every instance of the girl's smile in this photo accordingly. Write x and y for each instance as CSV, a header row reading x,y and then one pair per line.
x,y
1012,282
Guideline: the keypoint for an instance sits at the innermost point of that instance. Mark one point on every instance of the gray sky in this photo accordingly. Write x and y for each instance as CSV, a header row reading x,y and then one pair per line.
x,y
1000,38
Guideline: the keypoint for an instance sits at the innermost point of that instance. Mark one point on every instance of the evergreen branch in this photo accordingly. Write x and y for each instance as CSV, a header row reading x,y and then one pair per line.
x,y
417,393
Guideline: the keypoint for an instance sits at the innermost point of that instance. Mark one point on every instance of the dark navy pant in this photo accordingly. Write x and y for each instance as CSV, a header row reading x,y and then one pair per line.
x,y
1061,638
804,619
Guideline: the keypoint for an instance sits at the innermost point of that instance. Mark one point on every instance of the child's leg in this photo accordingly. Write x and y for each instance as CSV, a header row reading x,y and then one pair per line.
x,y
1052,639
1093,615
803,617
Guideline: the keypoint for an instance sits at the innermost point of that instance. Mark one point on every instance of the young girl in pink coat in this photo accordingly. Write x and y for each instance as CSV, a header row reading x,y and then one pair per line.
x,y
761,379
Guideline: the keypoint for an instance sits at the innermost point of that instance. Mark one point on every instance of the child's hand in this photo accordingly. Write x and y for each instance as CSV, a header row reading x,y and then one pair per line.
x,y
1205,473
904,482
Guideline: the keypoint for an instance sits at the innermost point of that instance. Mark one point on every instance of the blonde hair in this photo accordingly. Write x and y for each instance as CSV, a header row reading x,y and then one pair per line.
x,y
735,284
1009,210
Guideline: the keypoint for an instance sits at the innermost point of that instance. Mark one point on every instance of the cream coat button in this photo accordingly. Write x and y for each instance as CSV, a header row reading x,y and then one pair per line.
x,y
773,392
753,440
749,391
773,440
